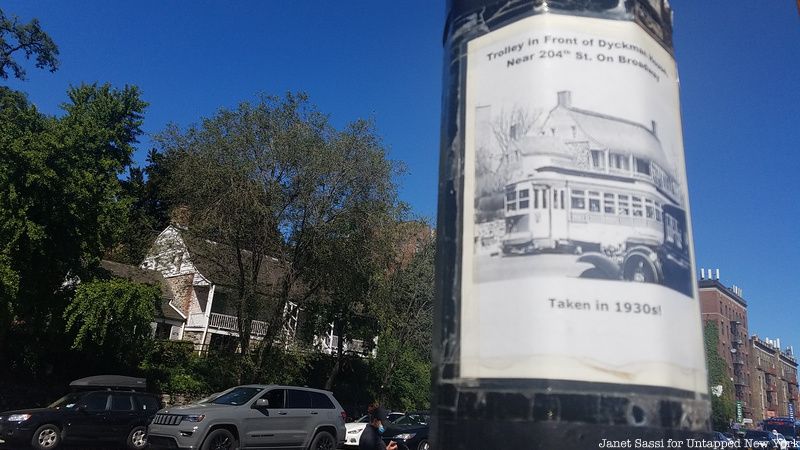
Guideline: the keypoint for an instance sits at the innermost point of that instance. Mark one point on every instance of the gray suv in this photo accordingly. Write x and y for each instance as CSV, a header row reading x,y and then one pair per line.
x,y
252,417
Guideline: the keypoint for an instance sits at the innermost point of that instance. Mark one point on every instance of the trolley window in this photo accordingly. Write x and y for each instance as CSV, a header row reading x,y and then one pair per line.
x,y
578,199
609,205
624,205
594,201
524,201
636,206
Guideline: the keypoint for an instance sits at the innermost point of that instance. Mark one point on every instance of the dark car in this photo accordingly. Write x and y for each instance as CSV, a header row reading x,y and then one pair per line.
x,y
410,431
116,415
757,439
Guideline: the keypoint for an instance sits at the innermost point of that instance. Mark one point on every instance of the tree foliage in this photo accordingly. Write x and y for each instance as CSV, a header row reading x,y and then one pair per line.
x,y
61,204
113,313
403,361
278,181
723,408
28,39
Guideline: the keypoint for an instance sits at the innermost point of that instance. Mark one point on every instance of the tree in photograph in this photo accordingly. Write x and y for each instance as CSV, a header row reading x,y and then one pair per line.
x,y
273,183
723,407
112,318
60,207
26,39
507,128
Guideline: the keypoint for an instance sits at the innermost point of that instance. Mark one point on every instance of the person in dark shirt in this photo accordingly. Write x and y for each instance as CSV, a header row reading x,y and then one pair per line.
x,y
371,437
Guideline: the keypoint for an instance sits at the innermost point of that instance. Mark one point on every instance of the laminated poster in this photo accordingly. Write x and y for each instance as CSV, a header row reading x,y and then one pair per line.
x,y
578,256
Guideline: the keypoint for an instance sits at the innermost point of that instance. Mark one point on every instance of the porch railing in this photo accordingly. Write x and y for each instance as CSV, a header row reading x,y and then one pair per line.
x,y
230,323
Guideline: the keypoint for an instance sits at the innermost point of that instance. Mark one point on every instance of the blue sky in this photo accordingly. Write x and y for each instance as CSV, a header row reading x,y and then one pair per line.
x,y
739,64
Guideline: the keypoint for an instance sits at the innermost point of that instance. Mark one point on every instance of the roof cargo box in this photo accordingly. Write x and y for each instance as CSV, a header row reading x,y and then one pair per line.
x,y
109,382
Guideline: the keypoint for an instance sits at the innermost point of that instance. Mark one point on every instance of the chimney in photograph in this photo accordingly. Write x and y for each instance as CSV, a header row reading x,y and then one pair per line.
x,y
702,274
565,99
718,274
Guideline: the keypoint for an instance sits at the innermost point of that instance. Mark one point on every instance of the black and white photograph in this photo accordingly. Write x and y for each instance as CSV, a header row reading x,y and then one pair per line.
x,y
576,192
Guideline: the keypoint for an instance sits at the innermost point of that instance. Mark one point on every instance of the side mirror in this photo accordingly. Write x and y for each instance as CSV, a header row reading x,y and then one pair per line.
x,y
262,403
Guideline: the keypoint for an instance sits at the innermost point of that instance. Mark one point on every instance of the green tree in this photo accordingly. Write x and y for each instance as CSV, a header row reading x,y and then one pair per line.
x,y
278,182
403,361
60,207
28,39
147,214
723,407
112,318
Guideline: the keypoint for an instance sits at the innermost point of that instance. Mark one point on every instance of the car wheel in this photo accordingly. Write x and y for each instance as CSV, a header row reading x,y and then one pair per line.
x,y
137,438
424,445
323,441
220,439
46,437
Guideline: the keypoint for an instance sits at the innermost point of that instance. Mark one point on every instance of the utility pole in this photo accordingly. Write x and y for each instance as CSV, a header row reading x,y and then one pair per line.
x,y
567,309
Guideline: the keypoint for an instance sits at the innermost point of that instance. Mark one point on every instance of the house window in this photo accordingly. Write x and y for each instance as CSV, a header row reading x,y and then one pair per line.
x,y
619,162
643,166
598,161
163,331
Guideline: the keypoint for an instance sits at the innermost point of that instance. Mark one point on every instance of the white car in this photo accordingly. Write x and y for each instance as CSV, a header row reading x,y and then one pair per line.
x,y
354,429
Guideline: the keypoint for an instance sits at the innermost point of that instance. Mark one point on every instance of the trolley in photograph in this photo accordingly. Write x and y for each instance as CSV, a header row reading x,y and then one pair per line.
x,y
626,227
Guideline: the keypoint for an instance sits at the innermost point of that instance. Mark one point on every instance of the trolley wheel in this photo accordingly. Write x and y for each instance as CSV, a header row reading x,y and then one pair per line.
x,y
638,268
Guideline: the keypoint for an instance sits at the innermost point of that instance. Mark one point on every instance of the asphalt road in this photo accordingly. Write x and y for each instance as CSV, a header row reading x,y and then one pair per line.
x,y
497,268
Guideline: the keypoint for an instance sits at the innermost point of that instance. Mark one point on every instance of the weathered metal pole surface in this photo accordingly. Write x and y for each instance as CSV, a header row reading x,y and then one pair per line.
x,y
567,313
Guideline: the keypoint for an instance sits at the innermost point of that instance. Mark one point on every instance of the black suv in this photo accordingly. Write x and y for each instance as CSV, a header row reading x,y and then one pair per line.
x,y
115,415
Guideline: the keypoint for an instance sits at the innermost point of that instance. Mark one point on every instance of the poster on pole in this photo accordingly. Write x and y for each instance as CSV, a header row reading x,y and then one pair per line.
x,y
577,256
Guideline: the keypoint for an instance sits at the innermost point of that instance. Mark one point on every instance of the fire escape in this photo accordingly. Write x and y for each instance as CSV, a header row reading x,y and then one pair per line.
x,y
739,365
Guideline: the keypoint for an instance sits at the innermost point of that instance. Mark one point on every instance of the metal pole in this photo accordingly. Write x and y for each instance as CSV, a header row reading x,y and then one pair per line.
x,y
567,309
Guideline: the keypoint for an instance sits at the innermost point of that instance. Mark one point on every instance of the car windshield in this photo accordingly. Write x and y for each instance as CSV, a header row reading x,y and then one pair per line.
x,y
412,419
236,396
362,419
394,416
67,401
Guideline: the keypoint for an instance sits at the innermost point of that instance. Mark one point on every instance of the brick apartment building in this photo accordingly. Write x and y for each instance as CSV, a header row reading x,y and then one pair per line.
x,y
726,307
773,381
